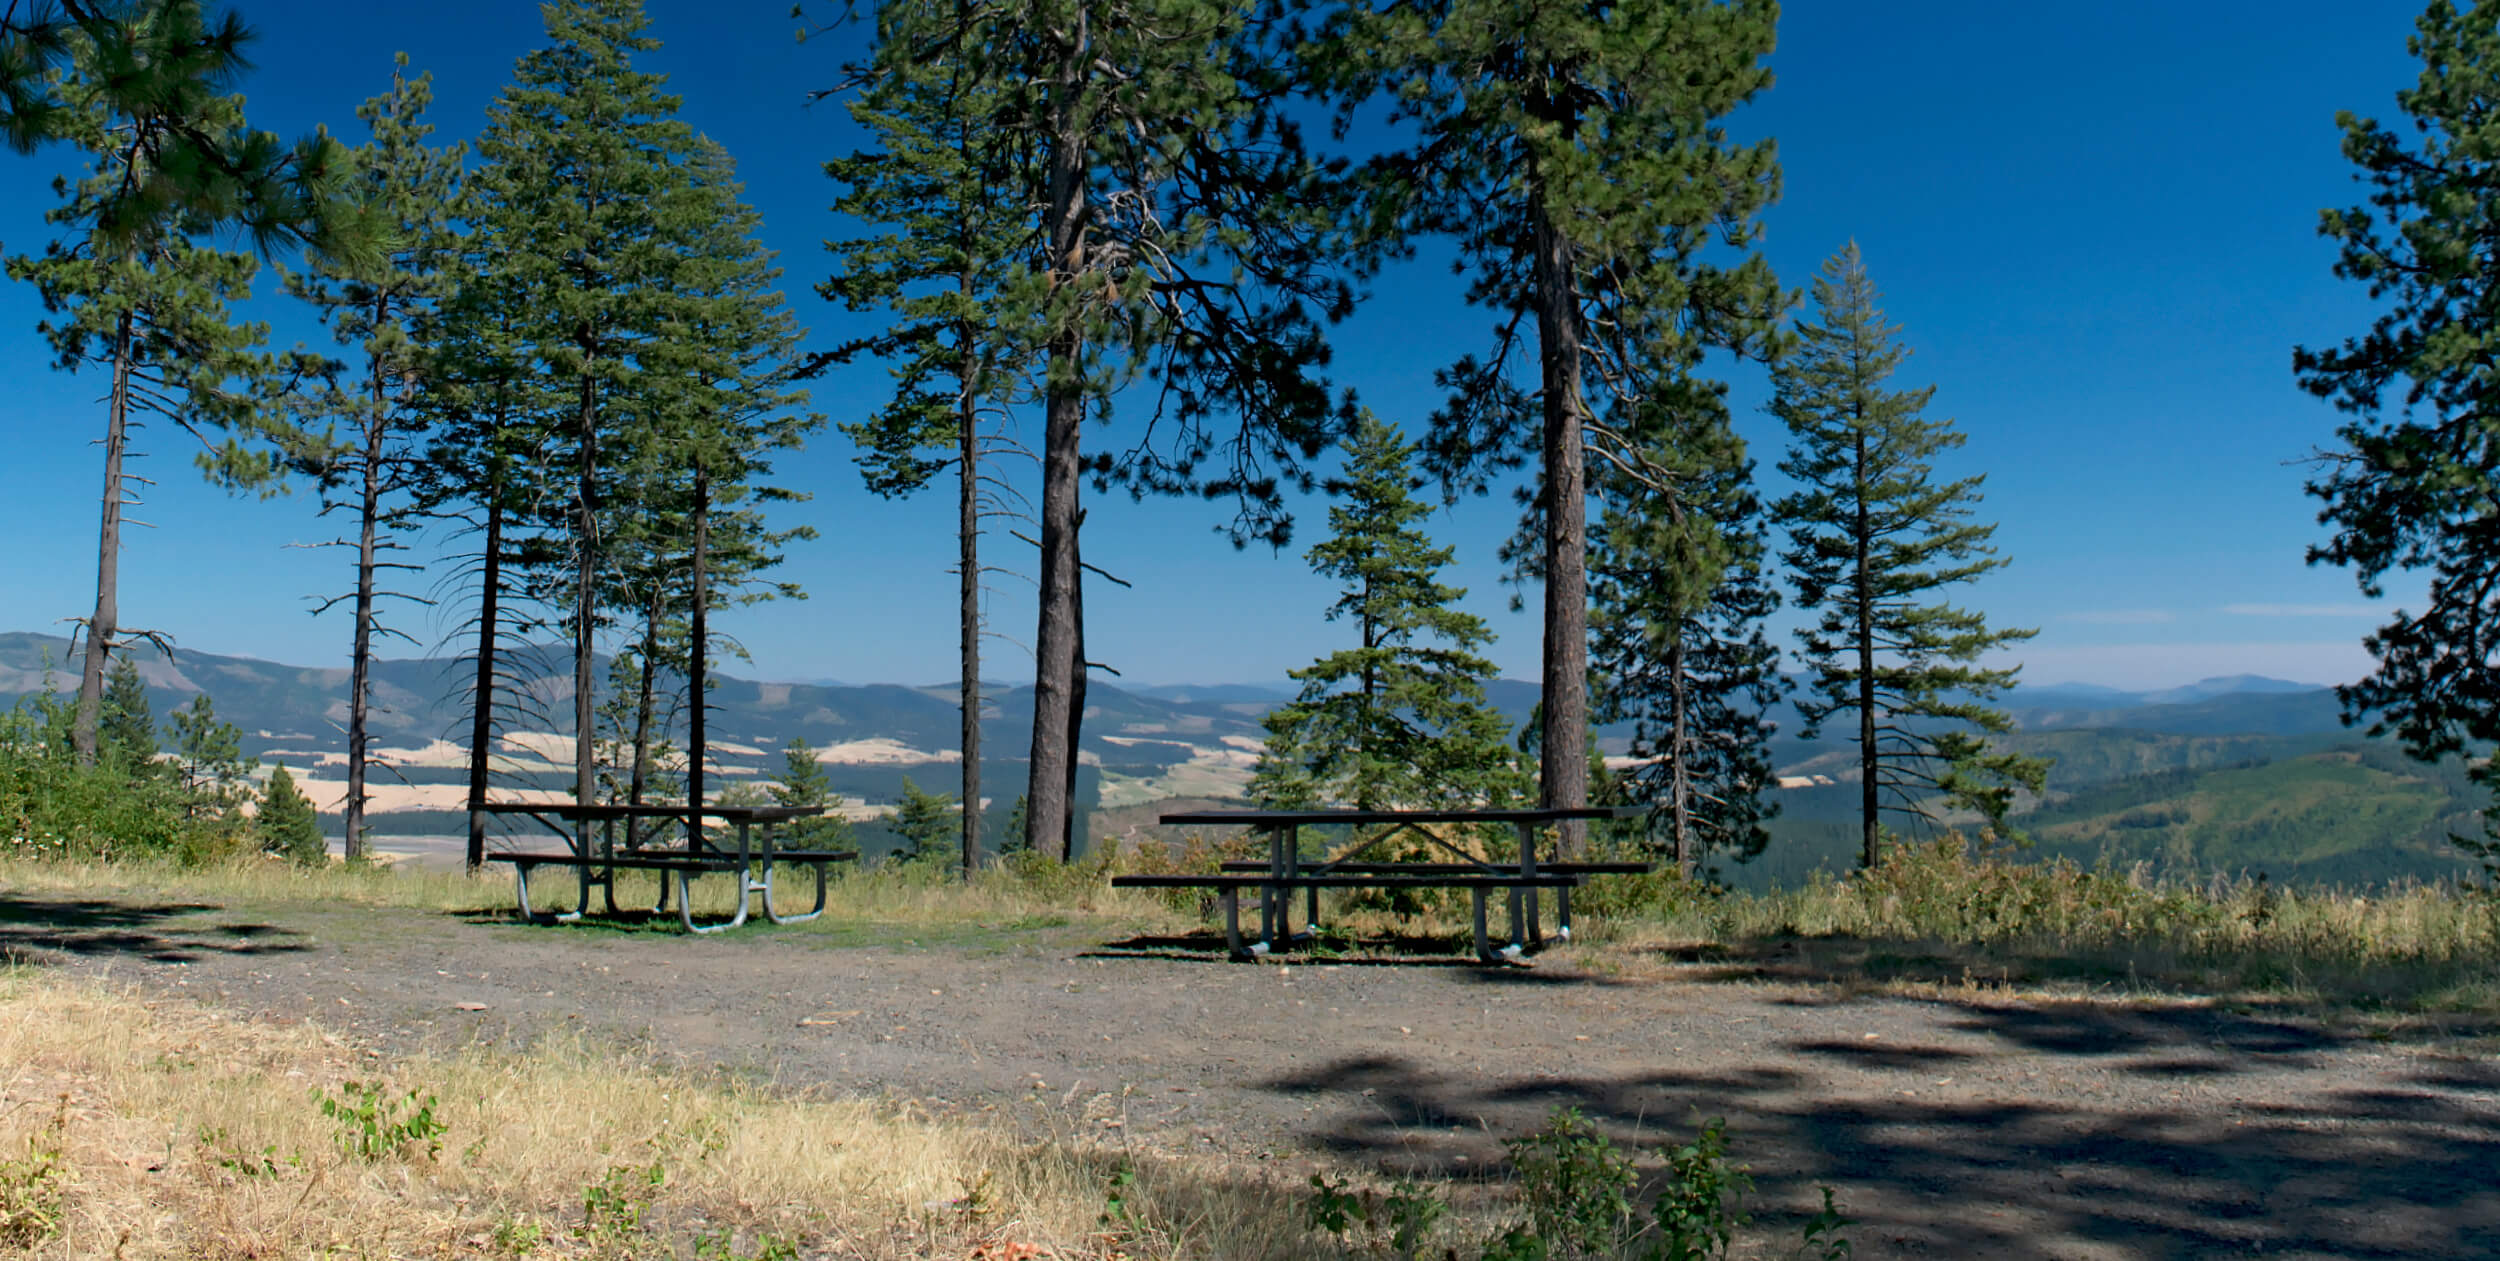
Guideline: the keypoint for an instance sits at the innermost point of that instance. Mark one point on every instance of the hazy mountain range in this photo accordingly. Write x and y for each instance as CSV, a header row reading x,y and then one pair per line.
x,y
2237,773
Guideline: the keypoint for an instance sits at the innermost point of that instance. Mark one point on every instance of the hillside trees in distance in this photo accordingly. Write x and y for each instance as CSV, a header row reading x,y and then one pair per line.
x,y
1577,158
1874,542
947,232
1180,230
129,290
1679,592
1399,720
2409,488
358,434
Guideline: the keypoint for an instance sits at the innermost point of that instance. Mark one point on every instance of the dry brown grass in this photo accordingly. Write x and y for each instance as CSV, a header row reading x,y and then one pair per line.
x,y
140,1129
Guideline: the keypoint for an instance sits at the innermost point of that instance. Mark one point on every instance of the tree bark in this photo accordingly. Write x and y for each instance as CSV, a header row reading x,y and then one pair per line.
x,y
360,667
1056,713
104,623
1680,739
585,598
482,713
968,590
643,686
1076,680
698,650
1863,595
1563,775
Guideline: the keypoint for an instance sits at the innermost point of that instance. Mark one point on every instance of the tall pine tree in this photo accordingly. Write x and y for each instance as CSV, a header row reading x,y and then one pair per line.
x,y
130,291
1177,228
368,450
1399,720
946,230
1875,542
1577,157
2410,486
1679,594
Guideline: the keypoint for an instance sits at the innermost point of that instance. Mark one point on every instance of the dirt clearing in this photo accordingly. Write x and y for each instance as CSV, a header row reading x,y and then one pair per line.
x,y
1961,1125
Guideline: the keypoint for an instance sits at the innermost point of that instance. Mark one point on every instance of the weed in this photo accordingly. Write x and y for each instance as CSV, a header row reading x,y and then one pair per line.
x,y
613,1209
34,1188
234,1159
723,1246
1701,1208
373,1127
1823,1241
517,1237
1577,1185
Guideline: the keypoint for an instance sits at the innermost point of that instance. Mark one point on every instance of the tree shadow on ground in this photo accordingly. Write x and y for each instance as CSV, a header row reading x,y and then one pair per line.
x,y
37,930
2403,993
1357,950
2395,1167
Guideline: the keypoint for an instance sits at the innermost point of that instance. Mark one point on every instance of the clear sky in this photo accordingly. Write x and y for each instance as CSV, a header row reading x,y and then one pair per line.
x,y
2096,224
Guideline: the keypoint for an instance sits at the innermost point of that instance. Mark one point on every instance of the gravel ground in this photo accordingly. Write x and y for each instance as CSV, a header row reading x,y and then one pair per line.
x,y
1980,1126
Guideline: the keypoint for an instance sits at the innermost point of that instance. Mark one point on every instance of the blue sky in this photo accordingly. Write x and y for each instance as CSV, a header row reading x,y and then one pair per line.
x,y
2095,223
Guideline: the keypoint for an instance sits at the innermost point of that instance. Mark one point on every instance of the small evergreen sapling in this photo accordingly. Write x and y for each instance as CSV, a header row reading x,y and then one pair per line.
x,y
289,827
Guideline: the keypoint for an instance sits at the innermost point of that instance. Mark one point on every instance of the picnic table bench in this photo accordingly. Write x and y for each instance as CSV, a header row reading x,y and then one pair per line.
x,y
1285,871
595,860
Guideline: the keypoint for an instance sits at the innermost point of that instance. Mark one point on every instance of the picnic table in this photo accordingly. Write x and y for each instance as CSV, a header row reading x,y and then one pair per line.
x,y
1285,871
595,859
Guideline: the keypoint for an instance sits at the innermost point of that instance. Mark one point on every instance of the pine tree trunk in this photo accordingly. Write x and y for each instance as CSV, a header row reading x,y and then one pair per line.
x,y
1863,594
643,706
105,622
360,668
1563,773
1077,678
698,650
1056,715
968,566
482,713
585,599
1680,739
1365,798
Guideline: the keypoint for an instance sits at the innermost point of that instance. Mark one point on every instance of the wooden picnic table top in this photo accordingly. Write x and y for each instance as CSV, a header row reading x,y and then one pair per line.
x,y
608,810
1298,818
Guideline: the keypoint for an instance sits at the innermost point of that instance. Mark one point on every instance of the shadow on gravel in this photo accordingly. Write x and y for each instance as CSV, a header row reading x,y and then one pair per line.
x,y
36,930
2380,1172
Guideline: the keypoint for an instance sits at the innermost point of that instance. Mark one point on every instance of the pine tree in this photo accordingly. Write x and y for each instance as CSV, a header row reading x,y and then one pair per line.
x,y
1874,542
1679,595
128,291
805,783
647,313
1576,156
941,185
383,305
289,826
925,821
214,770
1179,228
126,736
1400,720
2409,487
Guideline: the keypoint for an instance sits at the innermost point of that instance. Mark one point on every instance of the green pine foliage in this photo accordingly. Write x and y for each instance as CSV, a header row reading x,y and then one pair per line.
x,y
289,827
1679,592
927,823
1399,720
2409,488
805,783
1876,543
157,65
127,736
215,774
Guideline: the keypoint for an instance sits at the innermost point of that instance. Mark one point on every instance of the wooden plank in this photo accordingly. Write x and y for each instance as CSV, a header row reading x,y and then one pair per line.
x,y
1299,818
